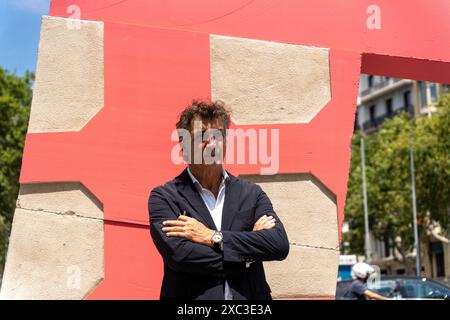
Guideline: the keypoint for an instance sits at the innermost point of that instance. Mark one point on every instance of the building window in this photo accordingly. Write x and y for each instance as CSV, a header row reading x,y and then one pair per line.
x,y
423,93
433,92
437,250
406,100
356,124
445,88
387,247
372,114
440,264
370,81
428,93
389,111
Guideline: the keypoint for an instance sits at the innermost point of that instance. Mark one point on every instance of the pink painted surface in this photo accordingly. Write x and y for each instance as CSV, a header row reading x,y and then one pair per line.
x,y
157,60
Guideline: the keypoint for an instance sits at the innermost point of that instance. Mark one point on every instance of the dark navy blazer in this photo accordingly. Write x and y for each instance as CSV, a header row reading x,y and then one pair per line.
x,y
195,271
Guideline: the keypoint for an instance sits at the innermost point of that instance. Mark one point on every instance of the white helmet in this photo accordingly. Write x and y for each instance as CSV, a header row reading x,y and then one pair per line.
x,y
362,270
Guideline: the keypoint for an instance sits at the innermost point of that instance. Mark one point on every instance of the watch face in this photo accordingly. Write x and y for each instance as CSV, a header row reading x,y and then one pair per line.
x,y
217,237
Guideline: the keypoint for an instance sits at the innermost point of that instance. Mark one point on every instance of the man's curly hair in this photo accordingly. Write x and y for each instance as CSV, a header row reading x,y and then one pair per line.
x,y
205,111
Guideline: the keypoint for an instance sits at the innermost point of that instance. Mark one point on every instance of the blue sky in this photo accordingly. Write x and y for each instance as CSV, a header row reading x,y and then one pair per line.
x,y
20,23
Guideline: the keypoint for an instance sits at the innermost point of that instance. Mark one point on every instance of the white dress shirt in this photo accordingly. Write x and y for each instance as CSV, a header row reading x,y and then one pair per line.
x,y
215,207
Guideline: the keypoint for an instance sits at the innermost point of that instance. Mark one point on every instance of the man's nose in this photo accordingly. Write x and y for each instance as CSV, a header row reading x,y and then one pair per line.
x,y
211,141
210,138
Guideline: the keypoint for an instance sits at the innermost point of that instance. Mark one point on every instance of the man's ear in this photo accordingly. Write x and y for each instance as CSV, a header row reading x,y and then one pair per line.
x,y
186,151
184,139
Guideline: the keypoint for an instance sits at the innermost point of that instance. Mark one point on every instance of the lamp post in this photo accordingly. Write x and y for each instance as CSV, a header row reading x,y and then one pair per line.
x,y
366,209
414,207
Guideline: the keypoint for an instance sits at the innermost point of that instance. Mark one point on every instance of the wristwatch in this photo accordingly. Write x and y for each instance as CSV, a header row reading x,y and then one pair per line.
x,y
217,239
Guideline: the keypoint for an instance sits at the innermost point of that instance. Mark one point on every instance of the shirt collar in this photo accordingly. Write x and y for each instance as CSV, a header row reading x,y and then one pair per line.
x,y
225,177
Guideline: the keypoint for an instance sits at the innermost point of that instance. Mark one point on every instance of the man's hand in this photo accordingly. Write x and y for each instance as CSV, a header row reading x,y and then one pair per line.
x,y
195,231
188,228
263,223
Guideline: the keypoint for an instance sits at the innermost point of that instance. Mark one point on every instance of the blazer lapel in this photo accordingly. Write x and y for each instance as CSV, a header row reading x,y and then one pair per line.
x,y
188,191
231,204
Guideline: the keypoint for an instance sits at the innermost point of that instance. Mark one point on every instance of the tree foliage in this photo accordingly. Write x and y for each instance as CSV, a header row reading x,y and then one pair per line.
x,y
15,101
388,177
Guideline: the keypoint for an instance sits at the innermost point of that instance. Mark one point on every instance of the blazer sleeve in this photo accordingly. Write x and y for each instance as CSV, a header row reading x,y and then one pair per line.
x,y
261,245
180,254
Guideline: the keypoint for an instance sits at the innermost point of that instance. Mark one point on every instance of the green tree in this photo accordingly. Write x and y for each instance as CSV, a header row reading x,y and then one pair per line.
x,y
389,179
15,101
432,153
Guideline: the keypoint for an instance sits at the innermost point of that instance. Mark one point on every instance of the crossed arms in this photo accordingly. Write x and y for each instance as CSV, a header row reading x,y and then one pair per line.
x,y
185,243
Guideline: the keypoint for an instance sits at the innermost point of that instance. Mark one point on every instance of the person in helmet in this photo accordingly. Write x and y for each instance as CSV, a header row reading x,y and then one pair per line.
x,y
358,289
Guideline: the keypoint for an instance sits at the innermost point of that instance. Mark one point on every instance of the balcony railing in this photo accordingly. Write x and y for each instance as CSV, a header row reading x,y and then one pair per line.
x,y
378,86
375,124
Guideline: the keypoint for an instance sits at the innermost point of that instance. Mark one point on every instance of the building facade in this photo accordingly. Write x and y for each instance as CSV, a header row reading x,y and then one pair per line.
x,y
382,97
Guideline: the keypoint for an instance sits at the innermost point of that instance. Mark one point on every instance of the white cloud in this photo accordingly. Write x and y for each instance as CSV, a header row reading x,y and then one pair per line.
x,y
33,6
